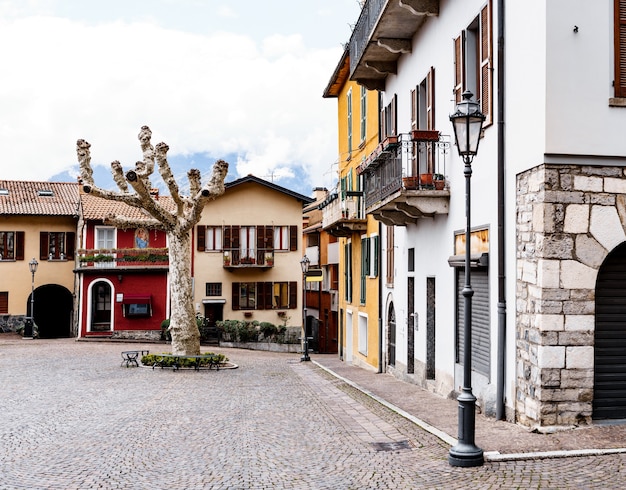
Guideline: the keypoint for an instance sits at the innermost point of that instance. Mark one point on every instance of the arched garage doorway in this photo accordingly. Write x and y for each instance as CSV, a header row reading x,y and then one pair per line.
x,y
609,401
52,311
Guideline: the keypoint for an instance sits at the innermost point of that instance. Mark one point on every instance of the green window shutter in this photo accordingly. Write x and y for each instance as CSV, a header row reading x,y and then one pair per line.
x,y
375,256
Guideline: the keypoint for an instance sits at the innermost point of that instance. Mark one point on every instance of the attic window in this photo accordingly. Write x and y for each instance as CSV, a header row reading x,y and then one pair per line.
x,y
4,192
45,193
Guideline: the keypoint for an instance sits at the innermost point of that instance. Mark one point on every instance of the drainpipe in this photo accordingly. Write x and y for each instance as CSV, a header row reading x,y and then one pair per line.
x,y
500,415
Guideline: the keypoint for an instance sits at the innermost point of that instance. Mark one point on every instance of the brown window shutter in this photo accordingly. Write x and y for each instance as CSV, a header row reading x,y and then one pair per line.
x,y
430,99
459,71
4,302
201,230
19,245
269,237
383,123
43,245
414,109
260,296
226,238
293,294
70,245
235,305
486,71
260,237
394,115
293,238
269,293
234,237
620,48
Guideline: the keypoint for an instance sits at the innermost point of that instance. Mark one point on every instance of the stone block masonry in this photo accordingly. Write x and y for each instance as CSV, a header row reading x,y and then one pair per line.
x,y
569,217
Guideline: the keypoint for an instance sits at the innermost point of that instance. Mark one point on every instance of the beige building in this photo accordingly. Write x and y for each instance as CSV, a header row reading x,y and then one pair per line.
x,y
247,252
38,221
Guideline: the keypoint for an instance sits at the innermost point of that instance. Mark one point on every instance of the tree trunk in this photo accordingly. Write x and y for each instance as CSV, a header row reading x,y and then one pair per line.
x,y
183,326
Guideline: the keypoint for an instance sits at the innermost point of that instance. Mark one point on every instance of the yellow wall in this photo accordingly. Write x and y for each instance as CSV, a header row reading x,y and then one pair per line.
x,y
349,160
250,204
15,276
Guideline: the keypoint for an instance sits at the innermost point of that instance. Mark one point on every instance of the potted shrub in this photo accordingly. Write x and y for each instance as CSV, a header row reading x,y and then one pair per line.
x,y
440,181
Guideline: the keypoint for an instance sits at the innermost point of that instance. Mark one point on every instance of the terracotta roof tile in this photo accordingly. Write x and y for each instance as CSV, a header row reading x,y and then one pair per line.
x,y
38,198
96,208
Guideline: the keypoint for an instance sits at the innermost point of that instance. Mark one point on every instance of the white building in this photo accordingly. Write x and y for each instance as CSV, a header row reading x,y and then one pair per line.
x,y
548,207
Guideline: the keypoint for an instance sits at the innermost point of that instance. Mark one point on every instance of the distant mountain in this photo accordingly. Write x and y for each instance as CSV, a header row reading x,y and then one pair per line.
x,y
180,165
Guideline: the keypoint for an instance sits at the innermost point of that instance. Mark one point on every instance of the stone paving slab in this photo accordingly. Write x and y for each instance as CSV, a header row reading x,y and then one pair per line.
x,y
492,436
73,418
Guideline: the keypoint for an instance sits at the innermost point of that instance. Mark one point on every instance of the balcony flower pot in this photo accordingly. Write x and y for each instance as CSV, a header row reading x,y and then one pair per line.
x,y
424,135
410,183
426,179
439,181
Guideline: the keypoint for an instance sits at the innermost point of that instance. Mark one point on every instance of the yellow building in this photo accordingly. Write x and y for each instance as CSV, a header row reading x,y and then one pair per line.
x,y
344,217
38,224
247,252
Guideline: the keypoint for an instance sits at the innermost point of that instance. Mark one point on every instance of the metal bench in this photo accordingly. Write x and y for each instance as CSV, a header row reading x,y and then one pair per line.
x,y
129,357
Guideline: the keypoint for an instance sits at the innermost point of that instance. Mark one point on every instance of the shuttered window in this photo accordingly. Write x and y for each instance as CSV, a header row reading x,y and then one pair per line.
x,y
56,245
473,62
620,48
11,245
365,267
264,295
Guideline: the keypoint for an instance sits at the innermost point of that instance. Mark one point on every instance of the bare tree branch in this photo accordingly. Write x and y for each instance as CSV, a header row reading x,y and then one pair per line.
x,y
125,223
118,176
213,188
147,202
166,174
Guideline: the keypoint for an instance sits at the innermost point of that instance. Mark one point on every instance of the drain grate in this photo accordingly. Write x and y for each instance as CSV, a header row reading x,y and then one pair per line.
x,y
391,446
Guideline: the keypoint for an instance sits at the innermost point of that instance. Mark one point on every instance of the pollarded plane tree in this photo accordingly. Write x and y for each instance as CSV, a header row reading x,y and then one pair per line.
x,y
177,222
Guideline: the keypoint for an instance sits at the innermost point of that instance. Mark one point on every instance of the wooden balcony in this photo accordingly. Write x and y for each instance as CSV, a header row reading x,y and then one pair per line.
x,y
255,258
124,258
383,33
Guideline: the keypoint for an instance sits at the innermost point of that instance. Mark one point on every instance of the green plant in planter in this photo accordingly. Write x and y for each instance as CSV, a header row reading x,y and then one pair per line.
x,y
439,177
269,330
151,359
165,333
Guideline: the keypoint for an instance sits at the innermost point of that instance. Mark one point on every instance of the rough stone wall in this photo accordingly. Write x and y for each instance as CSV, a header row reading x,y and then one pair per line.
x,y
568,219
147,335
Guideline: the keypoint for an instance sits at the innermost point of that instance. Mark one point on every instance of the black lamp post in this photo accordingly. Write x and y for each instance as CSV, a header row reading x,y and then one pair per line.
x,y
30,321
305,262
467,122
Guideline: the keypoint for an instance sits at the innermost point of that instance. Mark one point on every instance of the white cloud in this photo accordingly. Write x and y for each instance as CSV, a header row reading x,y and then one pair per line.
x,y
211,92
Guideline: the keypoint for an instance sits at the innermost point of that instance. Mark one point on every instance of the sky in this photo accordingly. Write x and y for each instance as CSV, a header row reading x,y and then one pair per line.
x,y
242,81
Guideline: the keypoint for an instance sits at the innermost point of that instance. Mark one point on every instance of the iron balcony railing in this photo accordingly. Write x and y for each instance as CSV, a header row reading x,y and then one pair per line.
x,y
250,257
363,30
411,161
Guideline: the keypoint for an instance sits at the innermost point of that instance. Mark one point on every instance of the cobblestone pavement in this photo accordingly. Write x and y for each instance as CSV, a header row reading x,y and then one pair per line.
x,y
73,418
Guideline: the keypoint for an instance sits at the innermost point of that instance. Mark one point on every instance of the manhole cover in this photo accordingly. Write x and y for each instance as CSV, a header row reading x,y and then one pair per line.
x,y
391,446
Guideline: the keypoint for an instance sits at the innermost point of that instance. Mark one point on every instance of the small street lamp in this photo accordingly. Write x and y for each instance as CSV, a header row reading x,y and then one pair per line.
x,y
30,321
467,122
304,263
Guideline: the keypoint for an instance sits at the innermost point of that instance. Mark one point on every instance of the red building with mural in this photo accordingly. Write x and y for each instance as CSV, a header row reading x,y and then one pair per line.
x,y
122,274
